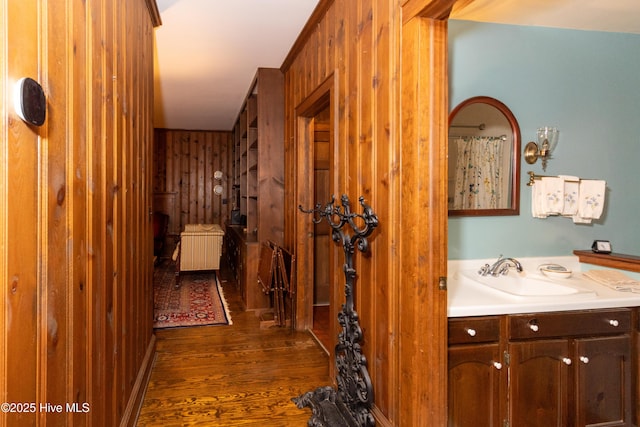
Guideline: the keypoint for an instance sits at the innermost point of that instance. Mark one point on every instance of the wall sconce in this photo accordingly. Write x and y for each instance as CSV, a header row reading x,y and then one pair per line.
x,y
547,141
218,189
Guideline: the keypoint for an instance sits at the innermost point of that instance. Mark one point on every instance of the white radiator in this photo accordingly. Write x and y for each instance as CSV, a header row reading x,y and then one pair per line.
x,y
201,247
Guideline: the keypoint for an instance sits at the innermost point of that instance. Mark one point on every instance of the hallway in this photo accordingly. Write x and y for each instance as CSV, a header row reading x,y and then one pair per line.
x,y
232,375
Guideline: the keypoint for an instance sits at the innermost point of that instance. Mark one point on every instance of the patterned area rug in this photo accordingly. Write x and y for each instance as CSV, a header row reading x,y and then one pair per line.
x,y
199,301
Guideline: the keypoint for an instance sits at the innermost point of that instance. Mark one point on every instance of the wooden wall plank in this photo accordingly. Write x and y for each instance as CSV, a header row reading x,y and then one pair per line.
x,y
54,221
79,199
384,188
96,319
207,177
4,196
161,163
115,363
120,189
129,205
23,329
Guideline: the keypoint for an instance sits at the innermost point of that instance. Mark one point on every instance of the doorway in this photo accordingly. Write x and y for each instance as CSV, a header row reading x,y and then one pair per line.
x,y
315,172
321,231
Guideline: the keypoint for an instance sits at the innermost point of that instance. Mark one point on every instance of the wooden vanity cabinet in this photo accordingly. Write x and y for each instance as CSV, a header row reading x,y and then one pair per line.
x,y
477,378
583,382
558,369
571,369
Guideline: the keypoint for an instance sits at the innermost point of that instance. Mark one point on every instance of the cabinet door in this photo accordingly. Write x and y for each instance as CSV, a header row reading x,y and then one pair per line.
x,y
539,389
603,381
476,377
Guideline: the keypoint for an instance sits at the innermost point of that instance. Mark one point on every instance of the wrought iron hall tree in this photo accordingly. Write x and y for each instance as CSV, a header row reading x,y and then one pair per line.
x,y
351,403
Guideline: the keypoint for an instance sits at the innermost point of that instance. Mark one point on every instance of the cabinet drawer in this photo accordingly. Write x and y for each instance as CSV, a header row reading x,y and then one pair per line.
x,y
567,324
466,330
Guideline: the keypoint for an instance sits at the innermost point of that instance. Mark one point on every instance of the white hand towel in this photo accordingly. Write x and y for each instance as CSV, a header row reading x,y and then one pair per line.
x,y
614,279
591,200
553,197
537,198
571,192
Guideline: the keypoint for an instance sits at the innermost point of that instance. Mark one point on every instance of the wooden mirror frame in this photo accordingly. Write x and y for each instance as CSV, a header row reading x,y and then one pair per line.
x,y
514,208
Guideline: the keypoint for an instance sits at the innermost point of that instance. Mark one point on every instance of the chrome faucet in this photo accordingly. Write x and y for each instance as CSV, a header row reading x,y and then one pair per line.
x,y
500,267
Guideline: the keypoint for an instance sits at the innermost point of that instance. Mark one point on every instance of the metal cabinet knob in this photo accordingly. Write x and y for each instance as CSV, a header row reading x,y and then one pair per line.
x,y
584,359
471,332
566,360
614,323
533,327
497,365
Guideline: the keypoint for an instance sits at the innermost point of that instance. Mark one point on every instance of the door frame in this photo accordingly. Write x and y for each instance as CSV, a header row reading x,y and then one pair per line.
x,y
322,97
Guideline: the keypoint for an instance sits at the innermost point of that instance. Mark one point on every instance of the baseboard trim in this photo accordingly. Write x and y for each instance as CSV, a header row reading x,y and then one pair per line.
x,y
380,418
131,412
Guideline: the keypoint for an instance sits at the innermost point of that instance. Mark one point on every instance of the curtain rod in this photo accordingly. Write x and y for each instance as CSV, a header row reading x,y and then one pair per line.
x,y
502,137
481,126
533,177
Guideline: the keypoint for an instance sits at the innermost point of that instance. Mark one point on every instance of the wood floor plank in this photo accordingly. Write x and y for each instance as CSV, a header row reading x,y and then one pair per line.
x,y
237,375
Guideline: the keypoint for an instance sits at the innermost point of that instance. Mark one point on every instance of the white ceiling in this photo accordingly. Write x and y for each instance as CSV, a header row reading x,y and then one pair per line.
x,y
207,51
621,16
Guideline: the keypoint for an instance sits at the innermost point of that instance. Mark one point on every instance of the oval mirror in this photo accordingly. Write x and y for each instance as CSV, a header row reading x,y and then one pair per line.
x,y
484,159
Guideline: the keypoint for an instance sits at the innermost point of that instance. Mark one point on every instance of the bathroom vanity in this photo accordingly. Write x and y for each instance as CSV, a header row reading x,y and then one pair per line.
x,y
566,360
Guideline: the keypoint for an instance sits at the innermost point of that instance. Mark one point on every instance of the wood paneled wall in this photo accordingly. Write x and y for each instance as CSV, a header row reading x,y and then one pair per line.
x,y
184,164
383,65
76,303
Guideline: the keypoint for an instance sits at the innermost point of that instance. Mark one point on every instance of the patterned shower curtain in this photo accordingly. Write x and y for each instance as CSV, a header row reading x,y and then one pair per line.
x,y
479,174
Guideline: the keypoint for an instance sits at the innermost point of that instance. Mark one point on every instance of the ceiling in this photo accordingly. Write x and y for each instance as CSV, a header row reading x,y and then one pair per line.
x,y
207,51
621,16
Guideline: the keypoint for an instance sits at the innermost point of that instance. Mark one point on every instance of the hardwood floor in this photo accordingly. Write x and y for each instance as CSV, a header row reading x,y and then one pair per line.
x,y
232,375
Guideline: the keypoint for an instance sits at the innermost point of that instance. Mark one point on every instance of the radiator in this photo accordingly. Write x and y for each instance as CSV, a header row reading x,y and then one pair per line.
x,y
200,247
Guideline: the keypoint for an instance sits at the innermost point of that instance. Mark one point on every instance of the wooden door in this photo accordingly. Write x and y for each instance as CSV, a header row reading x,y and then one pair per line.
x,y
539,383
603,381
476,378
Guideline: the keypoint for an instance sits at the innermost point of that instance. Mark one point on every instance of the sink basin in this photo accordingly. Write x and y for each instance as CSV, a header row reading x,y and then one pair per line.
x,y
530,286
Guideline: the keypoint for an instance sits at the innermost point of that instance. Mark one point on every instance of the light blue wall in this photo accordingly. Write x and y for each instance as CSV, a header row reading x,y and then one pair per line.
x,y
585,83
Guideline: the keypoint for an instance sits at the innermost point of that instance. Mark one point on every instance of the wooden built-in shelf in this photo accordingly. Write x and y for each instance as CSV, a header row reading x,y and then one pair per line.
x,y
259,169
612,260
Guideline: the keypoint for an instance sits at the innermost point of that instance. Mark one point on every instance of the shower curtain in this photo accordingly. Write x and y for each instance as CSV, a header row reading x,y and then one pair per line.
x,y
479,182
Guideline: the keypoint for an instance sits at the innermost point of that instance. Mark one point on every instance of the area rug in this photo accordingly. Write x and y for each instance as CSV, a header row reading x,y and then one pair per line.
x,y
198,302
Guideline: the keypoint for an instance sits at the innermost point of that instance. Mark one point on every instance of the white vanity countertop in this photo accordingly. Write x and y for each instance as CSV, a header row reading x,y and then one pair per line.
x,y
468,298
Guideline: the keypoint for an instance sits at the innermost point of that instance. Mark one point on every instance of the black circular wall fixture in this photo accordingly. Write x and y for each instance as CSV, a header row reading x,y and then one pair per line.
x,y
30,102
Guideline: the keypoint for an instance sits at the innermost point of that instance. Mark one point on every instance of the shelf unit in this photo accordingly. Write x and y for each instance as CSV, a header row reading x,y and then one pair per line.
x,y
258,175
